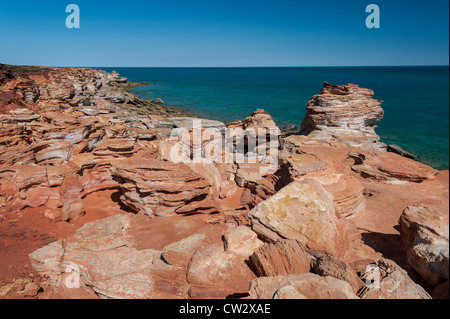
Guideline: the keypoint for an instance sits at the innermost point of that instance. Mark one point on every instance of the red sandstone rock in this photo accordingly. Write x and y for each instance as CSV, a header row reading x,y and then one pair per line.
x,y
424,238
116,262
72,209
5,74
261,120
158,188
387,167
215,273
303,211
280,259
242,241
334,267
385,276
303,286
346,113
75,136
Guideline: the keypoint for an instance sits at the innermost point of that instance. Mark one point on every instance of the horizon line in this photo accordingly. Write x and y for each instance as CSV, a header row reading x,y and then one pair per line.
x,y
273,66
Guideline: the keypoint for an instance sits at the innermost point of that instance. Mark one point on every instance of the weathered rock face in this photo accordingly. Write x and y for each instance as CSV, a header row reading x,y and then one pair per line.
x,y
334,267
385,167
386,280
303,211
220,269
261,120
303,286
346,113
424,238
22,286
64,133
158,188
123,257
441,291
347,190
5,74
280,259
76,147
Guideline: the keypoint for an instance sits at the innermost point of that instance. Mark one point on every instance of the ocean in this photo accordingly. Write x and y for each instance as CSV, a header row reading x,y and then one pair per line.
x,y
416,99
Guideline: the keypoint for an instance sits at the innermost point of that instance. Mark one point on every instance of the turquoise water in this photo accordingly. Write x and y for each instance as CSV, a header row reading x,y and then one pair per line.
x,y
416,99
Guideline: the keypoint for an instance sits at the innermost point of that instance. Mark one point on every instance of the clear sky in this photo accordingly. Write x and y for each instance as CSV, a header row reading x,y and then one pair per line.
x,y
224,33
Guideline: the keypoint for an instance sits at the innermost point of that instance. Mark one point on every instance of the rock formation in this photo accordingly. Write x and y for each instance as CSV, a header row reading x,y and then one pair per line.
x,y
285,257
105,195
424,238
301,211
302,286
347,113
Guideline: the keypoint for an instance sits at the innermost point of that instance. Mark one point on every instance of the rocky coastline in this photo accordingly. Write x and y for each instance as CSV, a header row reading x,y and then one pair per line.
x,y
94,203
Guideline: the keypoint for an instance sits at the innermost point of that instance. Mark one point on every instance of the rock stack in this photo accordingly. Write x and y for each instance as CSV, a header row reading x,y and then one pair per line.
x,y
346,113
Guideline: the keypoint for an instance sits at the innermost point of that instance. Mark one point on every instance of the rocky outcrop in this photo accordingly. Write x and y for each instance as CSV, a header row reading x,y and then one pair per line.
x,y
302,211
386,280
122,257
5,74
103,189
258,120
282,258
158,188
385,167
303,286
346,113
424,238
335,267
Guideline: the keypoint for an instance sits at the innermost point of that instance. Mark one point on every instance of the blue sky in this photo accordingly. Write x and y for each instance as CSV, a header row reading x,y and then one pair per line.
x,y
206,33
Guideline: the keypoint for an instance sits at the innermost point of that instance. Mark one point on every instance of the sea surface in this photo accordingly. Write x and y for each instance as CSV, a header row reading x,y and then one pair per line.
x,y
416,99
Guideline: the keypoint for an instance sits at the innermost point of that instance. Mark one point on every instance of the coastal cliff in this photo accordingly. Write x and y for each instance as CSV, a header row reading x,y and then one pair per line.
x,y
90,186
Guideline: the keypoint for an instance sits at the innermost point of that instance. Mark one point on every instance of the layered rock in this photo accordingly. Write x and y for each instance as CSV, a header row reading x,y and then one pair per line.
x,y
424,237
5,74
303,286
280,259
386,280
302,211
158,188
335,267
84,164
259,120
346,113
122,257
385,167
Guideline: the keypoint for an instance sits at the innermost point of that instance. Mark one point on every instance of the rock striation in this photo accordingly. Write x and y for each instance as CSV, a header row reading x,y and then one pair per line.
x,y
118,257
344,112
302,211
126,198
424,238
303,286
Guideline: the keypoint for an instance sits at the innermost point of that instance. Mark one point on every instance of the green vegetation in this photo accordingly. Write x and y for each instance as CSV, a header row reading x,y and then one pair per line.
x,y
23,68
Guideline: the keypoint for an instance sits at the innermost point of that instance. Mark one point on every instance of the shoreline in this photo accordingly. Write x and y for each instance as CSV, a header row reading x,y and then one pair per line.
x,y
395,147
91,181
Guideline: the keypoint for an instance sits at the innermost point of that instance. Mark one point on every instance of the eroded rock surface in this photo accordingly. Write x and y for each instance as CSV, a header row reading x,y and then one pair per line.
x,y
134,200
347,113
121,257
424,238
302,211
303,286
